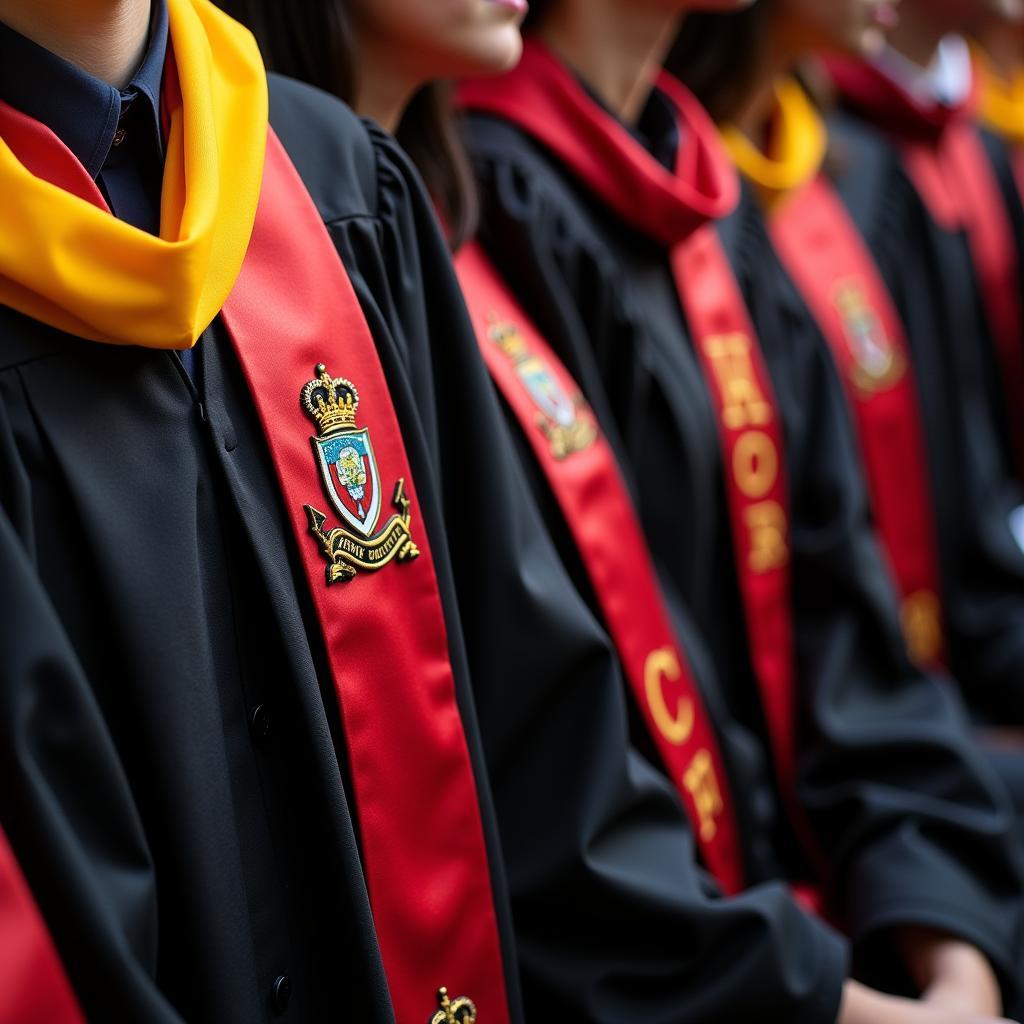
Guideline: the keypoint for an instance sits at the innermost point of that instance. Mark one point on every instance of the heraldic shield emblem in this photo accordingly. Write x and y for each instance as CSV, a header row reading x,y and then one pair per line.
x,y
351,479
877,365
566,420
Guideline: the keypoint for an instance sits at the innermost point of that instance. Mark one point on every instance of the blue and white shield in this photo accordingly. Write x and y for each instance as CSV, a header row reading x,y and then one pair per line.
x,y
546,392
349,472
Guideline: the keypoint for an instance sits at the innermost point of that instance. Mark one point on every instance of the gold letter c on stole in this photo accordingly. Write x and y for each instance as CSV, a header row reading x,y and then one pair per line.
x,y
663,665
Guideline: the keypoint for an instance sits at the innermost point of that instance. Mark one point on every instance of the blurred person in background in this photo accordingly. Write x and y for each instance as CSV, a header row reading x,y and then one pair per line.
x,y
917,418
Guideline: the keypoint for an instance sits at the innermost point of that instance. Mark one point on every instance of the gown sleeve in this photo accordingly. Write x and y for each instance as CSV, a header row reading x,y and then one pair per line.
x,y
914,827
66,807
617,920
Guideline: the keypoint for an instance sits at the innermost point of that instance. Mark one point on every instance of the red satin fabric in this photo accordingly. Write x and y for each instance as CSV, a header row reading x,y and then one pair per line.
x,y
418,809
599,514
33,986
715,309
945,158
824,253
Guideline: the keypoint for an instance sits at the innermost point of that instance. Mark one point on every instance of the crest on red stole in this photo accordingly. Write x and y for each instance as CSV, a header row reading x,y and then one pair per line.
x,y
351,478
565,419
877,364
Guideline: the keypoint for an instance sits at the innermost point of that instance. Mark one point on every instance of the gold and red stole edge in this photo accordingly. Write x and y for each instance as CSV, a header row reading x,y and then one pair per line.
x,y
422,839
830,264
585,479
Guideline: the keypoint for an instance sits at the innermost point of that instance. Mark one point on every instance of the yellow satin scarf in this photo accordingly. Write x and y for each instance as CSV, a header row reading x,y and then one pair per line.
x,y
71,265
797,147
1001,106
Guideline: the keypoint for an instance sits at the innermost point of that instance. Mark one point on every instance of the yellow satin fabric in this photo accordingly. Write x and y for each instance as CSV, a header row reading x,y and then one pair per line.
x,y
1001,103
71,265
797,149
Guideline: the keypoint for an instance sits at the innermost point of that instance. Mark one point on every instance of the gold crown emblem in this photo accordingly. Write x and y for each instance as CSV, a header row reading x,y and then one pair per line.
x,y
454,1011
330,401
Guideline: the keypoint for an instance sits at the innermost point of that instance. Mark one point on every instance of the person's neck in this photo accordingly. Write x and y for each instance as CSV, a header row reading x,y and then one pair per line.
x,y
754,110
616,48
106,38
919,33
382,91
1004,47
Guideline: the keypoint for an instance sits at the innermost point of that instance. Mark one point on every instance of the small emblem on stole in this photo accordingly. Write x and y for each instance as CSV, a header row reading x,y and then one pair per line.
x,y
566,420
877,365
453,1011
351,479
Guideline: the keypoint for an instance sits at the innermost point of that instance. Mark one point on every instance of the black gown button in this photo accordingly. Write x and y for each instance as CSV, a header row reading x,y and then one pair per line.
x,y
281,993
261,726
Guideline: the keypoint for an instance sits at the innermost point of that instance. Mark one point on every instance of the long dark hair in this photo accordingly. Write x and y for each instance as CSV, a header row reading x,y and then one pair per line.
x,y
313,41
536,14
713,56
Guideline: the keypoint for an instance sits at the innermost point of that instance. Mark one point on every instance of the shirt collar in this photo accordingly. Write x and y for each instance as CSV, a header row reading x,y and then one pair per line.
x,y
80,109
947,80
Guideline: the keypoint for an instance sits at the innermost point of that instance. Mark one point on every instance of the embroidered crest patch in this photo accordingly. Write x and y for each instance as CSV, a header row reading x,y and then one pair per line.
x,y
351,479
565,419
877,365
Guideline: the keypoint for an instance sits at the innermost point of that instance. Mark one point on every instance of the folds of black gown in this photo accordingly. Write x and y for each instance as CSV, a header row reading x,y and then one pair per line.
x,y
913,825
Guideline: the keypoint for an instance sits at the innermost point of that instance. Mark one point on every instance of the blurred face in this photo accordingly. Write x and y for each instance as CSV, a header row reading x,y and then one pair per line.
x,y
959,15
1005,10
443,38
850,26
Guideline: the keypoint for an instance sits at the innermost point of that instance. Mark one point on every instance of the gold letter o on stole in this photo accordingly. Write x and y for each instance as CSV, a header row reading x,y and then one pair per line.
x,y
663,664
755,464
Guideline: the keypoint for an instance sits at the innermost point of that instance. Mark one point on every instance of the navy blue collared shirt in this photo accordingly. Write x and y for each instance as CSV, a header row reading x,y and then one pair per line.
x,y
117,135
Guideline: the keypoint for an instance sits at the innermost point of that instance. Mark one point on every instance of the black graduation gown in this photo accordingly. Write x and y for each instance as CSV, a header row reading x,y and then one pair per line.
x,y
614,920
169,739
929,274
1001,159
187,848
909,839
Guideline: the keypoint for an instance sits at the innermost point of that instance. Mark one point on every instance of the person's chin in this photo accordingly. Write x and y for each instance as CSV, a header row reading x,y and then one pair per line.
x,y
500,55
870,42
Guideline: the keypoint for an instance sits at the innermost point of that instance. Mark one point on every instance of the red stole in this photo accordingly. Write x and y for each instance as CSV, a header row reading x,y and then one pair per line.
x,y
33,986
584,477
373,584
831,265
674,208
945,158
756,485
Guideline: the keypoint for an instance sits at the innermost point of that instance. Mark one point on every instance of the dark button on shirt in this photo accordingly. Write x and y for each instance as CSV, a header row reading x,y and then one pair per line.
x,y
116,134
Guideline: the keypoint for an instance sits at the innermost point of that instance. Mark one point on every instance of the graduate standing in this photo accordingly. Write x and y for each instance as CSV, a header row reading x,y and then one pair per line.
x,y
241,767
597,192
